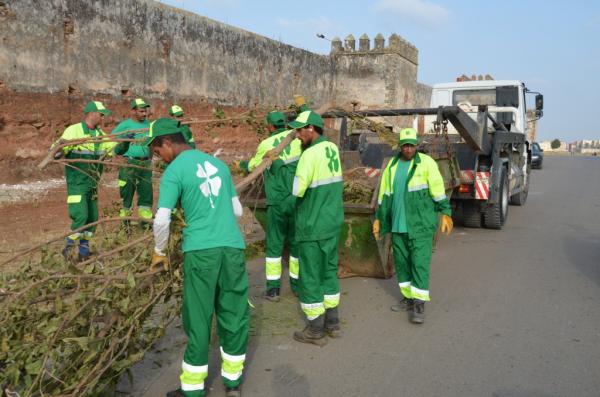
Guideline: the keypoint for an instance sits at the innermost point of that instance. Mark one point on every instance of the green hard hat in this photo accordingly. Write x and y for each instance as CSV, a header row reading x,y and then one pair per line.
x,y
176,111
306,118
408,136
163,126
96,106
139,103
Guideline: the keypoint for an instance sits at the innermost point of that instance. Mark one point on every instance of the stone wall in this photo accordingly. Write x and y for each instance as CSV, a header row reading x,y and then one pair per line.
x,y
142,46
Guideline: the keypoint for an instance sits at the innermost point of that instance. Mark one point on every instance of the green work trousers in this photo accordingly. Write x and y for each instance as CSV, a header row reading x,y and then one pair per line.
x,y
83,209
136,179
281,229
319,285
214,280
412,257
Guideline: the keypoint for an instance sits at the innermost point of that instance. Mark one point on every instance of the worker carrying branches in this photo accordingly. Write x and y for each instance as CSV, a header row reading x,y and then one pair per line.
x,y
281,204
214,266
135,179
411,195
82,177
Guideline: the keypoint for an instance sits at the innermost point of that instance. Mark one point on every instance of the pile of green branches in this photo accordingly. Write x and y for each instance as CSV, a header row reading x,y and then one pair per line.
x,y
72,329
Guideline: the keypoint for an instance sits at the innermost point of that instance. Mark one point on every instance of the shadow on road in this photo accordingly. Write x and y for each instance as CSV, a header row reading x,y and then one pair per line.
x,y
584,253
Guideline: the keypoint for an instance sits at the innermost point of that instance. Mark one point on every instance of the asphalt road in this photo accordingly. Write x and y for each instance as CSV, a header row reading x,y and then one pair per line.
x,y
514,313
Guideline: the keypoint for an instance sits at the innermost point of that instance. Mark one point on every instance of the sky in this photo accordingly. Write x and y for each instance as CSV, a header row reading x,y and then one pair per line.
x,y
553,46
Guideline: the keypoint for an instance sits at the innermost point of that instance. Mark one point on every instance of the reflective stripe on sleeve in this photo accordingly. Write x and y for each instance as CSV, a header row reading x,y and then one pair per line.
x,y
326,181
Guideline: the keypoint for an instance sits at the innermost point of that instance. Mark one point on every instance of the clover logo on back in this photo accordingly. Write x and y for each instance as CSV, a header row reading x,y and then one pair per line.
x,y
211,185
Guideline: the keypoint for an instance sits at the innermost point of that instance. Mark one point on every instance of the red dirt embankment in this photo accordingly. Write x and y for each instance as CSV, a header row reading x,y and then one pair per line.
x,y
30,122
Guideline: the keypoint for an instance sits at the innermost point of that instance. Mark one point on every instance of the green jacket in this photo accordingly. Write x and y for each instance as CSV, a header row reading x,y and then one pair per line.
x,y
319,187
280,176
82,177
133,150
424,196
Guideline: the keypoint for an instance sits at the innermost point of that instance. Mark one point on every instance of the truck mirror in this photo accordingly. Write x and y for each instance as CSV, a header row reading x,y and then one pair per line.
x,y
539,102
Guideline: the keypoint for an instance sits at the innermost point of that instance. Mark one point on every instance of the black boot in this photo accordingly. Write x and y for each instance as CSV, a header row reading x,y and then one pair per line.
x,y
233,391
175,393
418,312
332,323
272,294
313,333
404,305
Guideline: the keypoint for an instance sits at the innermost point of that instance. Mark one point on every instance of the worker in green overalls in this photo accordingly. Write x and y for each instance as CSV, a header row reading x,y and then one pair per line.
x,y
82,178
411,196
176,111
135,179
214,267
281,203
318,187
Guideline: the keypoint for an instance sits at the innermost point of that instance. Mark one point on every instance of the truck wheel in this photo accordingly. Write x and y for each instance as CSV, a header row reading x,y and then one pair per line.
x,y
521,197
495,215
471,214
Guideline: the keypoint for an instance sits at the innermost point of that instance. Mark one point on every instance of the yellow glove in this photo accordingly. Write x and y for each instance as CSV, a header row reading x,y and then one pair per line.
x,y
376,229
446,224
157,260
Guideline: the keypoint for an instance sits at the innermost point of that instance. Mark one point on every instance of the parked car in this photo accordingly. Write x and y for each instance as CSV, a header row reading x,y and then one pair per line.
x,y
537,156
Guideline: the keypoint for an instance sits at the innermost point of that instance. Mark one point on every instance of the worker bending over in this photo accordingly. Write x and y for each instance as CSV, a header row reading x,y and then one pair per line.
x,y
214,266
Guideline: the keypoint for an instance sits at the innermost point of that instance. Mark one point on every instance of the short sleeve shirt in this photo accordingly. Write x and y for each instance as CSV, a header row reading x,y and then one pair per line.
x,y
205,187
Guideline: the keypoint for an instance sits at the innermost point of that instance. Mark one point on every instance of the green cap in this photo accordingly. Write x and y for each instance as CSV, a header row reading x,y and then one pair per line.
x,y
307,118
96,106
276,119
408,136
176,111
139,103
163,126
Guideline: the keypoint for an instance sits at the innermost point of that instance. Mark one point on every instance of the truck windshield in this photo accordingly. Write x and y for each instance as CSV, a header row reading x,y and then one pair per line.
x,y
475,97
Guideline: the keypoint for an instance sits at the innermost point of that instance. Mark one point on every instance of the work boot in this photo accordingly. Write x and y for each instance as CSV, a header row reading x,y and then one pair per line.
x,y
66,252
332,323
313,333
233,391
404,305
175,393
84,250
272,295
418,312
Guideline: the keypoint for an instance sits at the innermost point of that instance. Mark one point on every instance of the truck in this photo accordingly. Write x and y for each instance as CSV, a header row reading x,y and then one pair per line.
x,y
497,173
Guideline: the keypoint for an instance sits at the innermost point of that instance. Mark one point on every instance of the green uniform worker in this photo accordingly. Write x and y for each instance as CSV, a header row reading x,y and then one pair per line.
x,y
214,268
135,179
281,204
177,112
319,216
82,178
410,197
